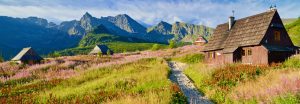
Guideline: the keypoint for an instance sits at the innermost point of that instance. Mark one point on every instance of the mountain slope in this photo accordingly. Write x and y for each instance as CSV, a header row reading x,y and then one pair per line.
x,y
45,37
181,31
101,35
126,23
294,31
161,28
17,33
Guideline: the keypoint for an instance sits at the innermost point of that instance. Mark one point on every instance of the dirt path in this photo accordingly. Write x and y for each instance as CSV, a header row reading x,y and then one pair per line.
x,y
186,85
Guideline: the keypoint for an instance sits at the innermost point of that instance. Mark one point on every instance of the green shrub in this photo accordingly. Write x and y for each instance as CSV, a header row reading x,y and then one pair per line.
x,y
1,58
55,54
231,75
219,96
99,54
172,44
191,58
109,52
155,47
292,62
287,99
178,97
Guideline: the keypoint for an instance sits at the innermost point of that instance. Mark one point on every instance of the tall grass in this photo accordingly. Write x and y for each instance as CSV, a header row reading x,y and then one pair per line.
x,y
142,81
89,79
237,83
293,62
190,58
275,85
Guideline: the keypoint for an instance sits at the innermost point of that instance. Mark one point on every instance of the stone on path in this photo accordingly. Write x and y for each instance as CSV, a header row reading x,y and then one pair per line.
x,y
186,85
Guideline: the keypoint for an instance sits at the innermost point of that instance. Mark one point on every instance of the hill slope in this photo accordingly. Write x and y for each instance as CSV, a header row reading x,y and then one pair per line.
x,y
288,20
294,31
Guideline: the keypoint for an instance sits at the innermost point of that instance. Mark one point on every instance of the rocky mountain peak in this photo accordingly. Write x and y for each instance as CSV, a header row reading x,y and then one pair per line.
x,y
87,21
87,15
126,23
37,21
124,16
164,24
161,28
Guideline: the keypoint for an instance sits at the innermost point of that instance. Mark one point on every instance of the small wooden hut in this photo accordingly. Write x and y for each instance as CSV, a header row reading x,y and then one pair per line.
x,y
27,56
103,49
200,41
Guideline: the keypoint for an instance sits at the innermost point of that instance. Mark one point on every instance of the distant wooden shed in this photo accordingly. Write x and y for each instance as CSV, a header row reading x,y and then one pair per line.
x,y
27,56
101,49
200,41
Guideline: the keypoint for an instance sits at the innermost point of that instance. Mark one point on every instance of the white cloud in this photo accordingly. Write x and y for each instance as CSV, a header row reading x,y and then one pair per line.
x,y
206,12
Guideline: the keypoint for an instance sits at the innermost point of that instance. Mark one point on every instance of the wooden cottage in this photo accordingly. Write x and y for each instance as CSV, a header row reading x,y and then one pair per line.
x,y
200,41
103,49
257,39
27,56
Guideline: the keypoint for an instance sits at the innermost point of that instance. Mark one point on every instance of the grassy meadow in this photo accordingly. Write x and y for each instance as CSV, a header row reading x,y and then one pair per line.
x,y
142,81
237,83
143,78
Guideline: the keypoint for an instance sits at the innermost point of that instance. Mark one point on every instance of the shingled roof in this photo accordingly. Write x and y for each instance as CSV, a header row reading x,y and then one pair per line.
x,y
101,48
246,31
27,54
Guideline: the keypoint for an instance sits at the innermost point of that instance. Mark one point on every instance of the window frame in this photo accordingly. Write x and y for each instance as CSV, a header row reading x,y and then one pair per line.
x,y
277,35
247,52
211,55
244,52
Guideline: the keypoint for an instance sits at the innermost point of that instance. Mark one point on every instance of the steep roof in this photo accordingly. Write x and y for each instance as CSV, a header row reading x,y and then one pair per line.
x,y
246,31
27,54
101,48
201,40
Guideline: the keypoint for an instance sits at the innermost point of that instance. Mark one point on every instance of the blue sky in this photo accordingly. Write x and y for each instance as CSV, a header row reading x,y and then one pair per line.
x,y
205,12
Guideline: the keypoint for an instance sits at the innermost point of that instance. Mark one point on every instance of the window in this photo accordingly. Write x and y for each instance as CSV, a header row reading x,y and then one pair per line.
x,y
277,35
211,55
249,52
246,52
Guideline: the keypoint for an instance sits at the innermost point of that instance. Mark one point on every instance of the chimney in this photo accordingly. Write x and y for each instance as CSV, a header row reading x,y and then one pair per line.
x,y
272,8
230,22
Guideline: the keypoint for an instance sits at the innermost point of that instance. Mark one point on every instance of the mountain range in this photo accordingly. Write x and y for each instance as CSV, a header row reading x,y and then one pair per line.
x,y
45,37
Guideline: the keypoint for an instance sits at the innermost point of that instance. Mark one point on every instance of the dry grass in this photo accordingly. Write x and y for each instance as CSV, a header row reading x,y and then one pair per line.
x,y
266,88
239,83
